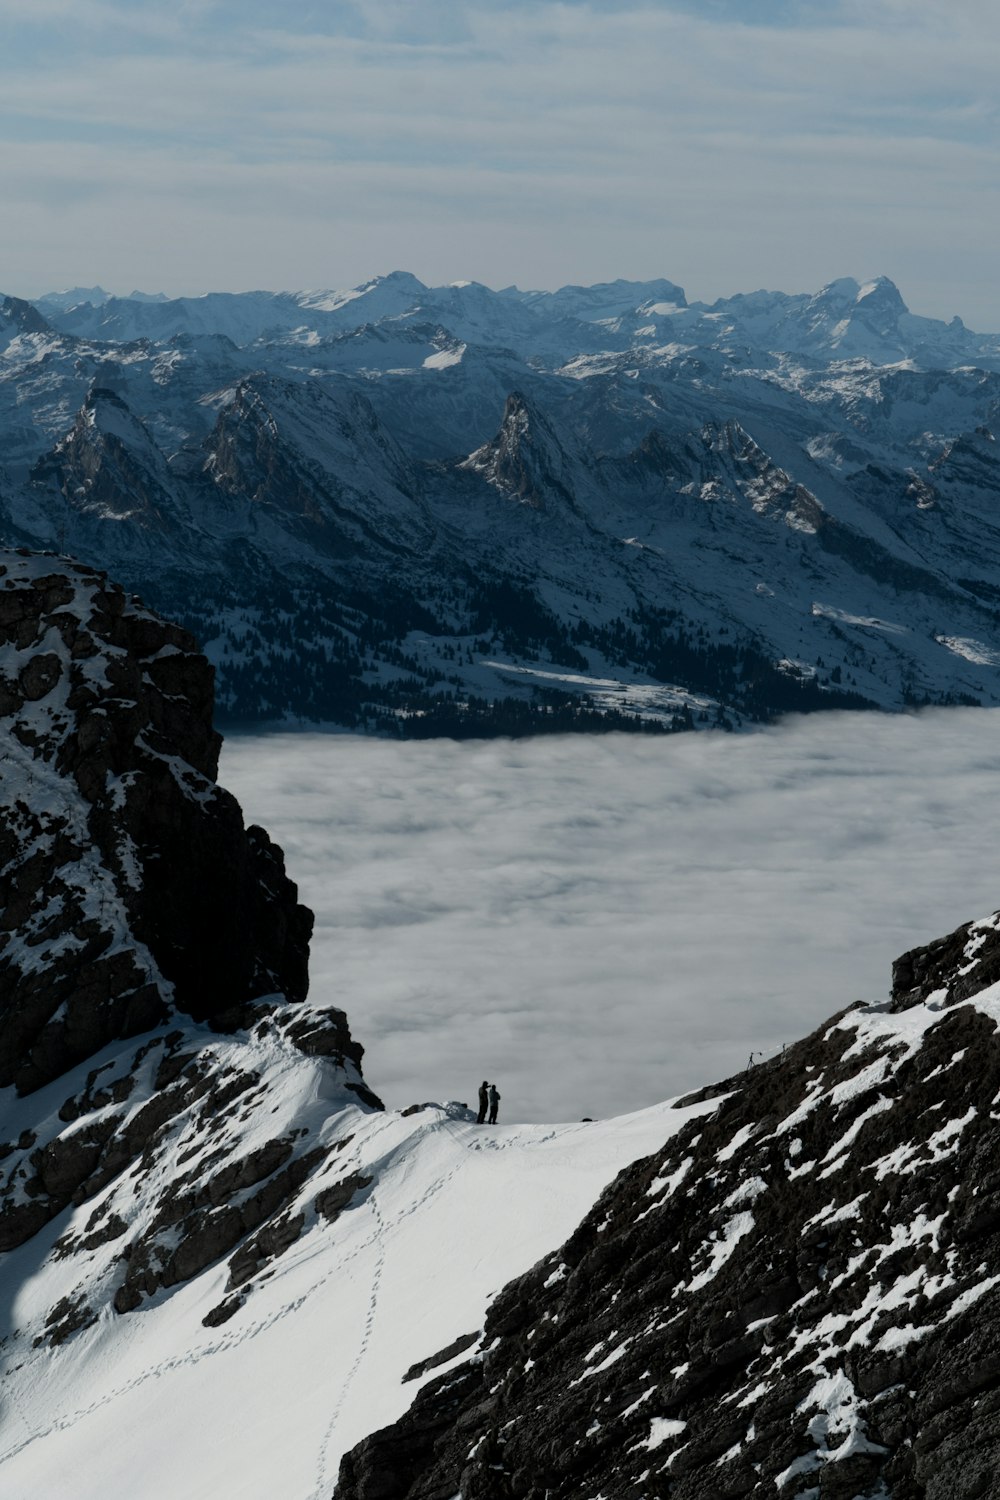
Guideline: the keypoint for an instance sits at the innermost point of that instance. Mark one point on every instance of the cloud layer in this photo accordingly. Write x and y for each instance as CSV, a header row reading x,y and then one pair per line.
x,y
602,923
210,146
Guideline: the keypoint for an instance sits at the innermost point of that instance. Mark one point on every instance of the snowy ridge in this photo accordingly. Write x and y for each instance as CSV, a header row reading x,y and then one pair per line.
x,y
390,1252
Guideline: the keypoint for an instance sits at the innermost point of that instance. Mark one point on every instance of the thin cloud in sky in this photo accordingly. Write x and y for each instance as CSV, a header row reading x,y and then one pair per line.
x,y
602,922
598,139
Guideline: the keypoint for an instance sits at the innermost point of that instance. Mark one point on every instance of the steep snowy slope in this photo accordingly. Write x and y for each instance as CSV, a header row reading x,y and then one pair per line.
x,y
254,1376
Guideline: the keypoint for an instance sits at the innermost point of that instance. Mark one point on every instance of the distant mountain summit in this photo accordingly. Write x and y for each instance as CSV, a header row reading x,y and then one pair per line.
x,y
452,510
76,296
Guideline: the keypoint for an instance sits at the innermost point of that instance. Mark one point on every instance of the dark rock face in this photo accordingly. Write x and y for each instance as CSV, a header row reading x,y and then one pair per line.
x,y
292,457
130,883
153,966
525,459
798,1296
108,468
952,969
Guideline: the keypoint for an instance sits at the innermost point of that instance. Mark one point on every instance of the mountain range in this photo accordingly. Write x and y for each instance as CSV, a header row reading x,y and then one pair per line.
x,y
418,510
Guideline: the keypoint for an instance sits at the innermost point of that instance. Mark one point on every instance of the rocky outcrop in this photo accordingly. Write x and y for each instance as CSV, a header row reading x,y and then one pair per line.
x,y
799,1296
19,317
525,460
131,883
107,467
319,465
951,969
142,926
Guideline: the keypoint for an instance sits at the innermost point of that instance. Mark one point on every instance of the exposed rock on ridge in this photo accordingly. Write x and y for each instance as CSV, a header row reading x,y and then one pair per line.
x,y
525,460
108,468
797,1297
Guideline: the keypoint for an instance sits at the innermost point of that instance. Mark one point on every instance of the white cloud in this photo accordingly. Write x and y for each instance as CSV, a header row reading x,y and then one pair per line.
x,y
601,923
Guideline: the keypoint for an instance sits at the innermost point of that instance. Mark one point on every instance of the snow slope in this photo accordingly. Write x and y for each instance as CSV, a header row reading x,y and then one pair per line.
x,y
219,1255
266,1404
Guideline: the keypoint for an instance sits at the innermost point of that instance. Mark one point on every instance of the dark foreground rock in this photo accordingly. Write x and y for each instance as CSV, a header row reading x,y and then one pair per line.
x,y
153,963
798,1297
131,884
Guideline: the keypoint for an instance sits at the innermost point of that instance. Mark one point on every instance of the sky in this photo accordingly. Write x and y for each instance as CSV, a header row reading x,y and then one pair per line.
x,y
600,923
726,144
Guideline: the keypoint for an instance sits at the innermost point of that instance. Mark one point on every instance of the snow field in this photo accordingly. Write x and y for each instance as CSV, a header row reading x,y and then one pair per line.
x,y
267,1403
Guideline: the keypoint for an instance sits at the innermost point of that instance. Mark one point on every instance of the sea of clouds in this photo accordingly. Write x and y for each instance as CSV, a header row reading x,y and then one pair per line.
x,y
599,923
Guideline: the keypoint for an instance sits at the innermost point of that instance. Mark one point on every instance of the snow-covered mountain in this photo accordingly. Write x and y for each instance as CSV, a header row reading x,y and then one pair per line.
x,y
225,1269
448,509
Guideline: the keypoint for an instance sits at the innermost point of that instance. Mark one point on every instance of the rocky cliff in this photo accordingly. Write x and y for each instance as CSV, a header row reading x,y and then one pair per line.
x,y
799,1296
153,954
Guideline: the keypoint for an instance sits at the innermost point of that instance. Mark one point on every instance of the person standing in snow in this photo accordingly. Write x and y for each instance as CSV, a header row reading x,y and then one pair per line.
x,y
484,1099
494,1102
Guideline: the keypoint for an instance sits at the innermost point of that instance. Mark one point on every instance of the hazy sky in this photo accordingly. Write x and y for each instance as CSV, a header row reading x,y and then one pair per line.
x,y
727,144
602,922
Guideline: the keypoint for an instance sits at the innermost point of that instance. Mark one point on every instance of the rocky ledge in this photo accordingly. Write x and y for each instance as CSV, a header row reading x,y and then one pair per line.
x,y
798,1297
153,968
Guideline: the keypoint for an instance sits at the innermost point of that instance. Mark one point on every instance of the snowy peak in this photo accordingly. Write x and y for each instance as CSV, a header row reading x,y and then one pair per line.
x,y
878,300
880,307
403,283
75,296
241,316
845,319
18,317
607,300
382,297
146,934
840,294
881,299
